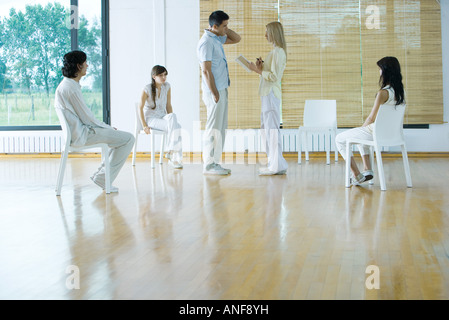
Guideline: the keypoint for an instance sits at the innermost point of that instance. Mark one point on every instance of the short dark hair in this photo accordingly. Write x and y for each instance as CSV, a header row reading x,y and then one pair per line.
x,y
216,18
72,60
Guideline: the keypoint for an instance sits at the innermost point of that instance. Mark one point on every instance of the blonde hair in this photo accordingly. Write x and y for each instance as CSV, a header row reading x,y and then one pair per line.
x,y
275,33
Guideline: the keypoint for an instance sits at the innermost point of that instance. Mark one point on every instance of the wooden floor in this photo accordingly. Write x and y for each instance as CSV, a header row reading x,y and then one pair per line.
x,y
181,235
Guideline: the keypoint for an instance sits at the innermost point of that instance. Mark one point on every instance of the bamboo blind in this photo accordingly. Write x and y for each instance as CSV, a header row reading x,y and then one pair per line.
x,y
410,31
332,54
248,19
323,41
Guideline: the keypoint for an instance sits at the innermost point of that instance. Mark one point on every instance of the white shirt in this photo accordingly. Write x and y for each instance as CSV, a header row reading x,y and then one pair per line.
x,y
210,48
273,70
161,102
69,99
390,101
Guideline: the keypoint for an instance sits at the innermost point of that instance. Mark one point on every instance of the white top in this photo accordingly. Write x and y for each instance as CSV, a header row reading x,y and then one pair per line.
x,y
80,119
390,101
161,102
210,48
273,70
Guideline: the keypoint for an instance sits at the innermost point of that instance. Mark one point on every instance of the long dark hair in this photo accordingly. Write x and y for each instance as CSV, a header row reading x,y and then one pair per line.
x,y
391,75
157,70
72,61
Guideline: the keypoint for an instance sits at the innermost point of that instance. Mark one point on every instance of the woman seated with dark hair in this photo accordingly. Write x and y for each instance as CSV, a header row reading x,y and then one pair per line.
x,y
84,127
391,92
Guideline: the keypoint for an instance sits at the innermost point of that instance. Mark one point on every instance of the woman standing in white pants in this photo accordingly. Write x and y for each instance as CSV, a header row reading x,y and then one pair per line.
x,y
392,93
271,71
156,112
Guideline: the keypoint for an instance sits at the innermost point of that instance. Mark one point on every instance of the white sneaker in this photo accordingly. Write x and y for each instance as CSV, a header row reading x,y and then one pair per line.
x,y
267,172
218,166
175,164
113,189
215,169
357,181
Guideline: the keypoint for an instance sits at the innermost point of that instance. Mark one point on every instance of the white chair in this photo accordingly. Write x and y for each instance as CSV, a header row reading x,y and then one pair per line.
x,y
320,116
66,148
153,132
388,132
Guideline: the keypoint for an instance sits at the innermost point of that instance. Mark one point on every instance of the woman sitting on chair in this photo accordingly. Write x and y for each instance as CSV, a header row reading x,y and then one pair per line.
x,y
156,112
391,92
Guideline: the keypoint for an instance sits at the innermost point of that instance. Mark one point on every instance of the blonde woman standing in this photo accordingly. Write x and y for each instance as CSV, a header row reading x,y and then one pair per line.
x,y
271,71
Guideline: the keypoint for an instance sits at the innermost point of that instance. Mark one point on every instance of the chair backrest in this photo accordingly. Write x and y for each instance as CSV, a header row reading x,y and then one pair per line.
x,y
388,127
320,113
66,134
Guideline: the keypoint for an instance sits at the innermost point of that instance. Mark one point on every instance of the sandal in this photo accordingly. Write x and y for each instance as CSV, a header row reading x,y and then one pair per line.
x,y
369,174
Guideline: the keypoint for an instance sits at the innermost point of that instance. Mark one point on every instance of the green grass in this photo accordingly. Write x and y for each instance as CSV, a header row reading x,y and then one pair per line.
x,y
44,113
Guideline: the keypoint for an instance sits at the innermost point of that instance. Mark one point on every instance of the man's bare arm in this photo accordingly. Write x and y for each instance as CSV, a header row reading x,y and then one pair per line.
x,y
206,66
233,37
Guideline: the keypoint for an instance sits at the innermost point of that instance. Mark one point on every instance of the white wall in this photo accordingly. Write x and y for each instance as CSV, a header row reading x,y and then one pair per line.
x,y
148,32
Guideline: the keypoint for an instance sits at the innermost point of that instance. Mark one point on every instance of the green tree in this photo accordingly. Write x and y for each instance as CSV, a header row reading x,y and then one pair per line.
x,y
49,41
90,42
33,43
15,41
2,63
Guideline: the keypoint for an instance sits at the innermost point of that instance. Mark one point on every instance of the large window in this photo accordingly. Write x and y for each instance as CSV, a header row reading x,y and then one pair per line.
x,y
34,36
333,47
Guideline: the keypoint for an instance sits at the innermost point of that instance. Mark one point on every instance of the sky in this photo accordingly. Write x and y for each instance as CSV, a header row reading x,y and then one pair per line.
x,y
88,8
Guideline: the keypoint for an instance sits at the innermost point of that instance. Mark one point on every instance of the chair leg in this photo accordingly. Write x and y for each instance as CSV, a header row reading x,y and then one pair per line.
x,y
306,147
348,164
135,148
371,159
61,172
334,144
408,176
152,150
161,154
299,147
107,169
328,150
380,169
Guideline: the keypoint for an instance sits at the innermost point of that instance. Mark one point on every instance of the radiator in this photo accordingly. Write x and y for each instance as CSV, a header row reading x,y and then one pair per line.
x,y
236,141
252,141
32,143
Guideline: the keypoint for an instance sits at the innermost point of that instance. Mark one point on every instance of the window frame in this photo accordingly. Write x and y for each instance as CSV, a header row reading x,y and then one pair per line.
x,y
105,71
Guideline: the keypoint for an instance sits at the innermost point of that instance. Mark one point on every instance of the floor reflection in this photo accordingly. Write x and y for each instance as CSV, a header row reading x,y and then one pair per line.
x,y
98,237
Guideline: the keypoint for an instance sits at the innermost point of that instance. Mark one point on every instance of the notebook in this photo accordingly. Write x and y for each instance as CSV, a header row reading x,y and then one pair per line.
x,y
243,62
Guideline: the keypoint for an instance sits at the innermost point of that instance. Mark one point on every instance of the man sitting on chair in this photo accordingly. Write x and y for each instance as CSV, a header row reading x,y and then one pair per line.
x,y
84,127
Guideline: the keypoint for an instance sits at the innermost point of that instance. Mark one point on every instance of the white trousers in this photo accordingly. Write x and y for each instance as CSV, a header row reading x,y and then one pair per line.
x,y
358,133
271,134
169,124
216,125
120,142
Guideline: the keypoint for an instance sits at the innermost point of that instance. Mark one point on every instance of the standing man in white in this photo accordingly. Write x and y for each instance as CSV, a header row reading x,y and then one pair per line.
x,y
215,85
85,128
